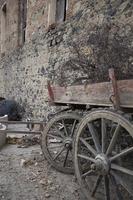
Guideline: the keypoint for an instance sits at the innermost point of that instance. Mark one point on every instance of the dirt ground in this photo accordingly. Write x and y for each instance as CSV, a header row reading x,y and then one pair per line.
x,y
26,175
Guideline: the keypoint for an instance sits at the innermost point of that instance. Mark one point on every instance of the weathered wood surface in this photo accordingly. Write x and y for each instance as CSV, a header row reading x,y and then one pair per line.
x,y
3,128
95,94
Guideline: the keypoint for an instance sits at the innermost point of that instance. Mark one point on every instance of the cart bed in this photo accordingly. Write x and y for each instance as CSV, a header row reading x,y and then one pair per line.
x,y
96,94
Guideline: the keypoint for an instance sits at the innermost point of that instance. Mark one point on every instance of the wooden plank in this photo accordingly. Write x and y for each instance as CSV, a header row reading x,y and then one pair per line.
x,y
20,132
95,94
22,122
115,97
125,89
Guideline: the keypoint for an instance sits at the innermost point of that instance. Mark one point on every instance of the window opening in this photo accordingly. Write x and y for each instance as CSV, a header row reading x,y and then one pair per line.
x,y
22,21
61,6
3,29
24,16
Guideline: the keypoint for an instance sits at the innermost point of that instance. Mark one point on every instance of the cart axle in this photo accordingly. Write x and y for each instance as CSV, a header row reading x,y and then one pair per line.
x,y
102,164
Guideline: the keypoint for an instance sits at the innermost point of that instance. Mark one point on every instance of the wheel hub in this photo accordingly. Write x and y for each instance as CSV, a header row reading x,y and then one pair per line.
x,y
68,142
102,165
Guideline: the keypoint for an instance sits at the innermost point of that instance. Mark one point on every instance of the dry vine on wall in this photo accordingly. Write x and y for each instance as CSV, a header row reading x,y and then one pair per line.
x,y
97,50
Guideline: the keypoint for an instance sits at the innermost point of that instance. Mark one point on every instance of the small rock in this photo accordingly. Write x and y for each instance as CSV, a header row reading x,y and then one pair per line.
x,y
57,186
47,195
53,188
35,175
49,182
22,162
25,163
42,182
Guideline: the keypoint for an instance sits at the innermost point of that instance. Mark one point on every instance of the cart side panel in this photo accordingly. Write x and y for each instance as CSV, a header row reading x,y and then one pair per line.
x,y
95,94
125,89
89,94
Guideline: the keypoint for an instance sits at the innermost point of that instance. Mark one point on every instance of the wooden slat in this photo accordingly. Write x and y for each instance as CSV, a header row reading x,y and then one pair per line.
x,y
20,132
22,122
95,94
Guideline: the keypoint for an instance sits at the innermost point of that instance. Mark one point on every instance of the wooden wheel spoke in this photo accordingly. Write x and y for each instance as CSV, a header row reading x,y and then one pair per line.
x,y
113,140
64,164
122,169
87,158
104,135
54,136
73,127
107,188
65,129
98,181
88,138
59,153
95,137
118,193
122,182
59,132
89,147
123,153
56,146
70,152
89,173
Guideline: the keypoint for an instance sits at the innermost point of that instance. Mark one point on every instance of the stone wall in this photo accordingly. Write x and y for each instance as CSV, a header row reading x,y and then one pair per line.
x,y
25,70
37,16
2,83
54,53
37,20
11,26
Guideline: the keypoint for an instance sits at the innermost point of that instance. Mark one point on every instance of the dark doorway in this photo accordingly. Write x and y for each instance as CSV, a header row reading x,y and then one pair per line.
x,y
61,10
22,21
3,29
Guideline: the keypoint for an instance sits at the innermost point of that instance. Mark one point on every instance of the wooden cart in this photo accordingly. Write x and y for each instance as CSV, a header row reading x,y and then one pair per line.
x,y
94,137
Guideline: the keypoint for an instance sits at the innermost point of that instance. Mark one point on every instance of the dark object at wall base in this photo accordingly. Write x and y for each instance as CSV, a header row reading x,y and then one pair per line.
x,y
12,109
2,98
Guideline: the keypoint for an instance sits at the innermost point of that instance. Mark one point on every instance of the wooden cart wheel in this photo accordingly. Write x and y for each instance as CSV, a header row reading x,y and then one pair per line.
x,y
103,156
57,141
